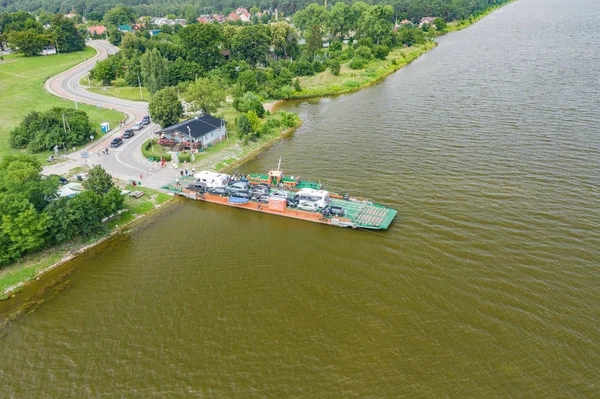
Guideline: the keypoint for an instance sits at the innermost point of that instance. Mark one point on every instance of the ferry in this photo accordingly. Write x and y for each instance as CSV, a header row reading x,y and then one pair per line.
x,y
288,196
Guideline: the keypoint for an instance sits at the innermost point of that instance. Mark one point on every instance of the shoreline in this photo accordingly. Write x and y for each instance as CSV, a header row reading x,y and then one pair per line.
x,y
81,249
271,106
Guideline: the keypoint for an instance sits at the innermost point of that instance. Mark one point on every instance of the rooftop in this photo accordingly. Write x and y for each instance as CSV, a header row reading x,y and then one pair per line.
x,y
198,126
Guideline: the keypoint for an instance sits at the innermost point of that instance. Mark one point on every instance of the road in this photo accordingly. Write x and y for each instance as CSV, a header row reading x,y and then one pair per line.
x,y
125,162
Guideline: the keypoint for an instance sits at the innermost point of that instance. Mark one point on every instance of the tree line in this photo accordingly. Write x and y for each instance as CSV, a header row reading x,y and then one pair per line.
x,y
96,9
34,217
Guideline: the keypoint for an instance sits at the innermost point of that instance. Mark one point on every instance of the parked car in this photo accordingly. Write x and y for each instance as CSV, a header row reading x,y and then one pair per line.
x,y
198,187
308,206
117,141
334,211
146,120
129,133
240,194
137,126
238,186
292,202
218,191
281,194
62,180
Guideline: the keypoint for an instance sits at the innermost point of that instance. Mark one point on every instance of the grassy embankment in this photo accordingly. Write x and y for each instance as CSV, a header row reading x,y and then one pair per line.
x,y
31,265
22,88
118,89
350,80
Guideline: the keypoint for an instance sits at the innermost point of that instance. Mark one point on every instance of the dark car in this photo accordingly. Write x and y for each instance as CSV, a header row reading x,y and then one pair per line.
x,y
146,120
117,141
199,187
218,191
292,202
62,180
129,133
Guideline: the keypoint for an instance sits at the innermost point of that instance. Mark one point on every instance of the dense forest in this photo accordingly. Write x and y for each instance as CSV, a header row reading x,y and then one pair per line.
x,y
95,9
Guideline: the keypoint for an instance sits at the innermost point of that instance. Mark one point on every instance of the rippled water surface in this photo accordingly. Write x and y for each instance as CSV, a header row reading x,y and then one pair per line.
x,y
487,285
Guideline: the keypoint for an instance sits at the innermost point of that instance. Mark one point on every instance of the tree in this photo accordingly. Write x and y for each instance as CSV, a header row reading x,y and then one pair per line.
x,y
440,24
87,211
251,44
335,67
154,71
249,102
22,223
190,15
41,131
112,201
283,36
381,52
339,19
165,108
119,16
253,120
312,20
28,42
376,22
244,126
205,95
104,71
65,34
201,44
115,36
99,181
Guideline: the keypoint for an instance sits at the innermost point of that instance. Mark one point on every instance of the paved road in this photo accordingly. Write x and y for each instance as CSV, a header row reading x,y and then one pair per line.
x,y
125,162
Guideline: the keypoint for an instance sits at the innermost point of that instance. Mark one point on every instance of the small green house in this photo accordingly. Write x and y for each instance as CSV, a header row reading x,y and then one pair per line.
x,y
125,28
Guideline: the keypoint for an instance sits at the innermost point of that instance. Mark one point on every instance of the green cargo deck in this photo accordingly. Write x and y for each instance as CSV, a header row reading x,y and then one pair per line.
x,y
366,215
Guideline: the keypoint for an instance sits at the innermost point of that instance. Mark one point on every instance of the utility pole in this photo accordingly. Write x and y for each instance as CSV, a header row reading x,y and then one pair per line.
x,y
140,84
65,130
89,84
190,138
76,106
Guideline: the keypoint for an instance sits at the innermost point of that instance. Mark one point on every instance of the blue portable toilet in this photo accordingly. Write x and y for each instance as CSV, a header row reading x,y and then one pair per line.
x,y
105,127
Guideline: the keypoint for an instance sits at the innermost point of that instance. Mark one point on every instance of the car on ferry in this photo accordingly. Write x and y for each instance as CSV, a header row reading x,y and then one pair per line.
x,y
240,186
308,206
218,190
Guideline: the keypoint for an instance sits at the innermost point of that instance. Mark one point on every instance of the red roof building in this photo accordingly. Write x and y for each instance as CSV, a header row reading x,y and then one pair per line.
x,y
233,17
96,30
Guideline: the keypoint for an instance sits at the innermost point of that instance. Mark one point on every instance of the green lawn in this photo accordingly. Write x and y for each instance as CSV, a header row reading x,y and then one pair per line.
x,y
118,89
22,91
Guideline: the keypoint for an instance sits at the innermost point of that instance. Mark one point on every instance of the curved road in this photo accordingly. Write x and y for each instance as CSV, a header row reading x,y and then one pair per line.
x,y
125,162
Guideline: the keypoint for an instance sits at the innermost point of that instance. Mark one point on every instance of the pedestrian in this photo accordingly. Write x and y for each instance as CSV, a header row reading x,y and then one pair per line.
x,y
186,172
181,173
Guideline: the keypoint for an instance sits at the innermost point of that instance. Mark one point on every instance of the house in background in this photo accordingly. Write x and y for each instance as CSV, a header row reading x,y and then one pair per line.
x,y
233,17
96,30
197,132
125,29
426,21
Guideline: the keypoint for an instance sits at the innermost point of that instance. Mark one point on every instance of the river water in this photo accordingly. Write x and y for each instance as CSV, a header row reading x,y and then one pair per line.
x,y
487,285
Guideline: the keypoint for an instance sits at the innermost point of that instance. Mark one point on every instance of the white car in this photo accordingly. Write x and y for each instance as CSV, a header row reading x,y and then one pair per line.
x,y
308,206
138,126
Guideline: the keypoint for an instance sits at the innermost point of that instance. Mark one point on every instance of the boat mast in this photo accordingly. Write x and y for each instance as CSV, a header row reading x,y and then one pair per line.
x,y
279,165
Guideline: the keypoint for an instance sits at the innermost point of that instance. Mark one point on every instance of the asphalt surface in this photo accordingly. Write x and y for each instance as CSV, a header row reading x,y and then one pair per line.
x,y
125,162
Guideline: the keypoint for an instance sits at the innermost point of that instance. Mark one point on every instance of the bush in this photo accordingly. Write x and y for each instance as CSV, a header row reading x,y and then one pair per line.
x,y
365,42
184,157
381,52
364,52
303,68
289,119
335,45
318,66
335,67
297,86
358,63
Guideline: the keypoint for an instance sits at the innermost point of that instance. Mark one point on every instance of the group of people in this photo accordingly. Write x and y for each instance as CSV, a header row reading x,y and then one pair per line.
x,y
122,123
104,151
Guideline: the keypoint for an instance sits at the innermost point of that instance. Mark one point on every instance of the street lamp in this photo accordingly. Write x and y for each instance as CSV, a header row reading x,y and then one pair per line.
x,y
190,138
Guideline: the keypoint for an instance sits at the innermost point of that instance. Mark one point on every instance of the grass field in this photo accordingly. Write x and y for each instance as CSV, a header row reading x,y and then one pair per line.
x,y
22,91
117,89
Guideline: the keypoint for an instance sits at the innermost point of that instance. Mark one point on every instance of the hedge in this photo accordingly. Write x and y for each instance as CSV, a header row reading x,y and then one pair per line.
x,y
147,152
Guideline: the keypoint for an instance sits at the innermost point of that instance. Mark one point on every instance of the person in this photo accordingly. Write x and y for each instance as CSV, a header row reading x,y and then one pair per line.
x,y
181,173
177,182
